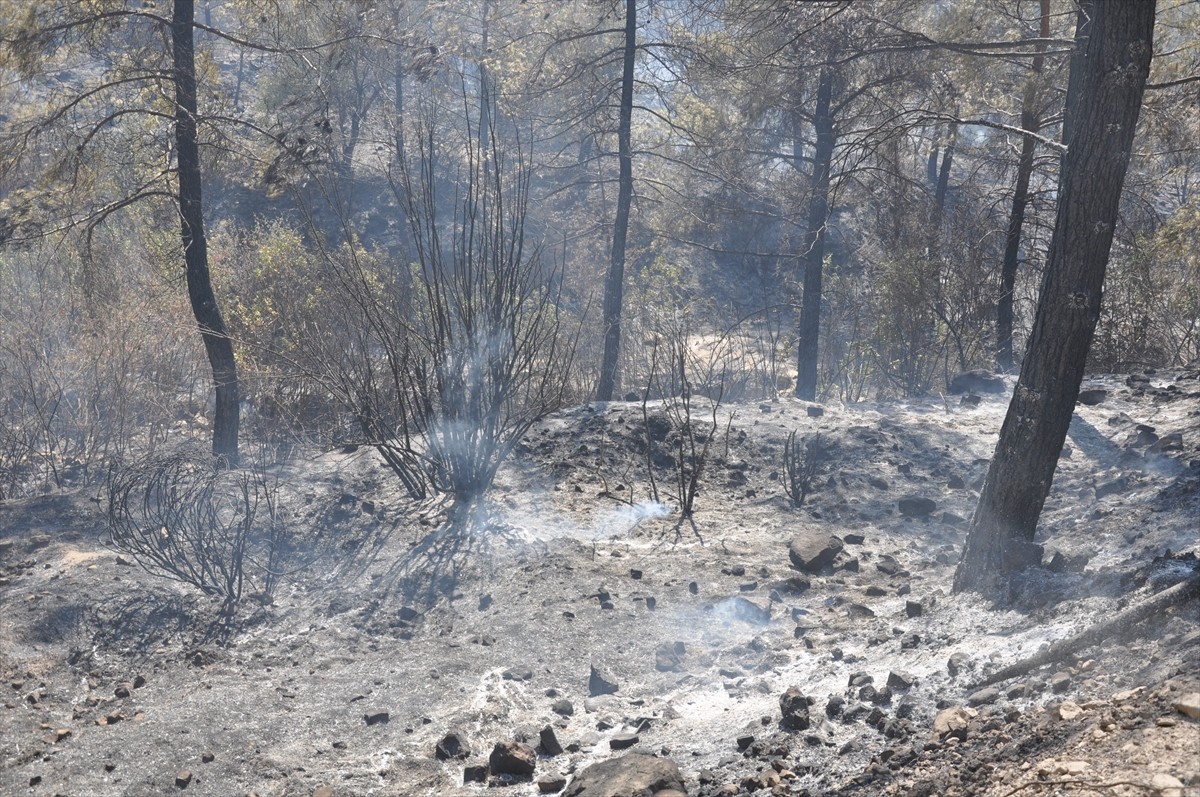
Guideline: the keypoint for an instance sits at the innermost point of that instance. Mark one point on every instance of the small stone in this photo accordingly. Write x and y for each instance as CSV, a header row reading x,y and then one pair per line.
x,y
815,412
123,690
208,758
453,745
138,682
914,609
958,663
953,722
1069,710
551,784
1060,682
1092,397
984,696
900,680
563,707
517,674
549,743
600,683
623,741
376,717
476,773
182,778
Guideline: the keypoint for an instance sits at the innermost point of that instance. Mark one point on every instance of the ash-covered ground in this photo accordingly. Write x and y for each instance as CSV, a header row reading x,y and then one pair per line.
x,y
588,623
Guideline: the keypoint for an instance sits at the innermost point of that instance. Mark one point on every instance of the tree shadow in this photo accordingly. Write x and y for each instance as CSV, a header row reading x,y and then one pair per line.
x,y
462,547
141,622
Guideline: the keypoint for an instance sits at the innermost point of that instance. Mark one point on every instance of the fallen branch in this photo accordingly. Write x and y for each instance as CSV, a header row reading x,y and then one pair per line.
x,y
1121,622
1086,784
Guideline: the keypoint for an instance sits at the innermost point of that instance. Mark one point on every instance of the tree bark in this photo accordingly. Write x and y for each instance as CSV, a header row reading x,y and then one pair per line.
x,y
213,331
1016,218
614,283
807,349
1113,44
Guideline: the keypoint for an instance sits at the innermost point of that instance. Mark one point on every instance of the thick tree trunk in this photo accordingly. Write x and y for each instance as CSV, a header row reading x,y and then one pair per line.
x,y
807,349
1016,219
614,283
1108,75
217,344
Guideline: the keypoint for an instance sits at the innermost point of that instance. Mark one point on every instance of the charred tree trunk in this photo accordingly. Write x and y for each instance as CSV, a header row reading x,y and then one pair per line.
x,y
614,283
1113,44
1016,219
807,348
943,181
217,344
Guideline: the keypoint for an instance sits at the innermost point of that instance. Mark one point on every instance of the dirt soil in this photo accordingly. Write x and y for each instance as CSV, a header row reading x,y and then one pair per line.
x,y
398,632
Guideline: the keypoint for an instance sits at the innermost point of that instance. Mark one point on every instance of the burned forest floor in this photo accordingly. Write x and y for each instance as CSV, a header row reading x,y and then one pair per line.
x,y
756,648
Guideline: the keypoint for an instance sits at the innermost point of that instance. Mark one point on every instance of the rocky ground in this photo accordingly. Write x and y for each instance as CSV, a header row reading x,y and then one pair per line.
x,y
591,643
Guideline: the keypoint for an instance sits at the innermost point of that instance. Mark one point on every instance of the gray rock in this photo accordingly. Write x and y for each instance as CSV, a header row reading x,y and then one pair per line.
x,y
812,551
623,741
976,381
550,784
1168,442
600,683
952,721
958,663
549,743
517,674
916,506
633,774
984,696
1060,682
1114,487
1092,396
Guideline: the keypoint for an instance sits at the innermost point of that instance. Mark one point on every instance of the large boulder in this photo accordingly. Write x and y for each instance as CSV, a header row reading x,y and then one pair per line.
x,y
812,551
631,775
793,705
512,758
977,381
